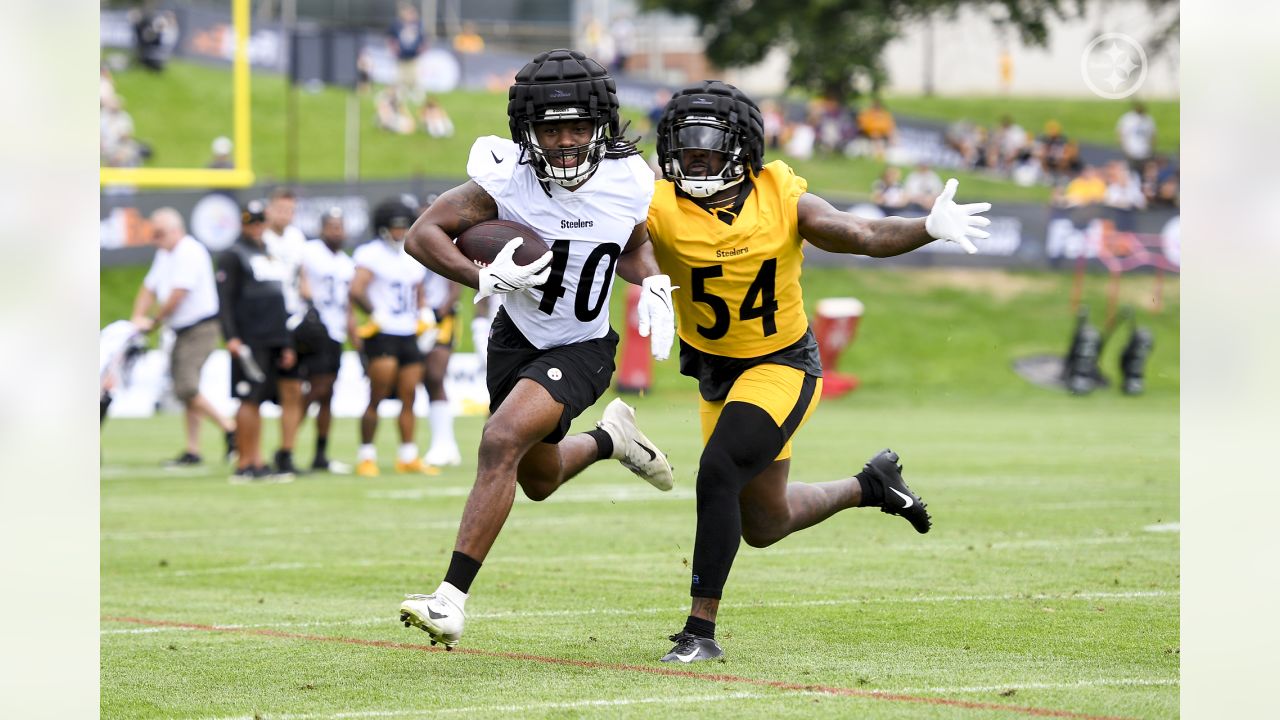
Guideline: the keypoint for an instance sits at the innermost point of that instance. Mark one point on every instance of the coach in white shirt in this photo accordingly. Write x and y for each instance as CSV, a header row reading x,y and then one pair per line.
x,y
180,283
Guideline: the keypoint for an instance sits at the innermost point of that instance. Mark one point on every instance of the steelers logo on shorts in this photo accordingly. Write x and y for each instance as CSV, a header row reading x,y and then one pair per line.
x,y
242,388
555,374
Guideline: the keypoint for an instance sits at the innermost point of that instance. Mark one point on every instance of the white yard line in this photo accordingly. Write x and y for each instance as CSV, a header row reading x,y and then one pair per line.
x,y
1101,682
429,712
831,602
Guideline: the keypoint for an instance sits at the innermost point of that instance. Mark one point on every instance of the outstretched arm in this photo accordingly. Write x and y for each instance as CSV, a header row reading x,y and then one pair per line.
x,y
842,232
637,261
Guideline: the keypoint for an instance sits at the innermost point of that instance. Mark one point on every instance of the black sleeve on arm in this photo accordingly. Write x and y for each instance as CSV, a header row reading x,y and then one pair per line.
x,y
229,279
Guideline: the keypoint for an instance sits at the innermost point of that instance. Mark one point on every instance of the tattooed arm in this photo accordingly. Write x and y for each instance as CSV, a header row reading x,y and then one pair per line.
x,y
841,232
430,240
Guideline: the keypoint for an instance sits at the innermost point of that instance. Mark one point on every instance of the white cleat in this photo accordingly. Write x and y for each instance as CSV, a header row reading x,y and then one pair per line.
x,y
435,614
443,456
630,446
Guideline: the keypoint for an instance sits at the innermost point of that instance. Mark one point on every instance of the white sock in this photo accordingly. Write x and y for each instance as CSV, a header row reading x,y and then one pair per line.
x,y
452,594
408,452
367,452
441,417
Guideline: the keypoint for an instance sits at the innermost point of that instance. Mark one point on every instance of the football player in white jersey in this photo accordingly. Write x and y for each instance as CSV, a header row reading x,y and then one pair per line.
x,y
284,242
567,174
388,285
327,271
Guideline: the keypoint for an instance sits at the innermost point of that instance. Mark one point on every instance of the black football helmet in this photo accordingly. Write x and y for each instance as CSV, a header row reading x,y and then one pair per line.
x,y
393,213
716,117
563,85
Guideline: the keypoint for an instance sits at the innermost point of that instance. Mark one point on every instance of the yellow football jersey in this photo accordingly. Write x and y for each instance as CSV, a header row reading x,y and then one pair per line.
x,y
739,284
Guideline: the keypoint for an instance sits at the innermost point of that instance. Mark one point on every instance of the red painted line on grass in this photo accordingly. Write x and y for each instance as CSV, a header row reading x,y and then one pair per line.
x,y
652,670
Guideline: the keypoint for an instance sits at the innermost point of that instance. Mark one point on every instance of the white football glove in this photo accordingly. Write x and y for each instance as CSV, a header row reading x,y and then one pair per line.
x,y
428,330
503,275
657,317
957,223
382,319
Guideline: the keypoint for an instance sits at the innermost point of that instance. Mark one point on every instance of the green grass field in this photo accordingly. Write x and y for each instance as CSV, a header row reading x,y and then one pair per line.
x,y
180,111
1044,588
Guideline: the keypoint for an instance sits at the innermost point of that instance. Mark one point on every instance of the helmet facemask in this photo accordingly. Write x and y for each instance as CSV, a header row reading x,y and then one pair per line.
x,y
548,163
719,140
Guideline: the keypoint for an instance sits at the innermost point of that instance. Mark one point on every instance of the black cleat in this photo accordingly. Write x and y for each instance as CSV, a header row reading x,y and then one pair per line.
x,y
284,463
186,459
884,470
231,446
692,648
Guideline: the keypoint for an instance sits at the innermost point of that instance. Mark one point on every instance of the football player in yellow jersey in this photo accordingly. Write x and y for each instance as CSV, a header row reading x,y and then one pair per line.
x,y
730,231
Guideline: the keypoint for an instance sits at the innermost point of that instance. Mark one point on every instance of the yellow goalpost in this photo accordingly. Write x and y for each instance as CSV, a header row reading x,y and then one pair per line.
x,y
239,176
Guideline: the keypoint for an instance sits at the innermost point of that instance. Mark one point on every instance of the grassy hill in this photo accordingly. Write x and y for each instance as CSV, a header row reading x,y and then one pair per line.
x,y
181,110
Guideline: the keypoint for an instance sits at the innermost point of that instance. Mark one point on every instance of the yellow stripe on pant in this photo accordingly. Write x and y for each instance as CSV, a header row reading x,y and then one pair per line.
x,y
776,389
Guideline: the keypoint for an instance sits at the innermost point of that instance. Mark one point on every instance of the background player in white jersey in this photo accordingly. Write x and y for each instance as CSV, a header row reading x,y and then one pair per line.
x,y
327,270
568,174
285,242
388,285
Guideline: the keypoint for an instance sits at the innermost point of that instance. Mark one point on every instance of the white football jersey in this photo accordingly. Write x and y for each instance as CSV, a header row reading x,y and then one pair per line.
x,y
393,292
329,276
437,289
287,248
587,230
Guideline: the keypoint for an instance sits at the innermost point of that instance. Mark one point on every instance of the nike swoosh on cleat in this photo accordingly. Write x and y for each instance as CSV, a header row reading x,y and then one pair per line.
x,y
687,658
652,454
435,615
495,157
905,498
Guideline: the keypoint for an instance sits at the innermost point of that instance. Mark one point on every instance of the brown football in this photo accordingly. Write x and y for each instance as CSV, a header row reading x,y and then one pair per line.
x,y
482,242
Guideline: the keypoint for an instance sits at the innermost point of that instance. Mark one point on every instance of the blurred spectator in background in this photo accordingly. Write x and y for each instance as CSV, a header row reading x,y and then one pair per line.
x,y
221,149
660,99
435,121
106,86
118,147
181,282
1057,154
623,31
922,186
888,191
774,123
967,139
153,31
1088,188
875,123
407,41
468,41
1008,145
1137,132
800,143
1124,188
393,113
363,67
1160,183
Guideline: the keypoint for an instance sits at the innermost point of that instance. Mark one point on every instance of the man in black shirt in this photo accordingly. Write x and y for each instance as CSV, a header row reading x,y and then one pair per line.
x,y
252,314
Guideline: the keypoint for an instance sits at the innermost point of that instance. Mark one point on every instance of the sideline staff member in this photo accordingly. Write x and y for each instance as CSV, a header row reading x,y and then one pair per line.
x,y
251,288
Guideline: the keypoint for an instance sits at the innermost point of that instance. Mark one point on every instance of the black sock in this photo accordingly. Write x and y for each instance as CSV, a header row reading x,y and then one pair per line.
x,y
604,443
701,628
462,571
322,446
872,491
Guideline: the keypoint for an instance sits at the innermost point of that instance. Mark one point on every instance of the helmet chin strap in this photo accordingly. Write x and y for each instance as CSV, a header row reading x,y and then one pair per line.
x,y
706,187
